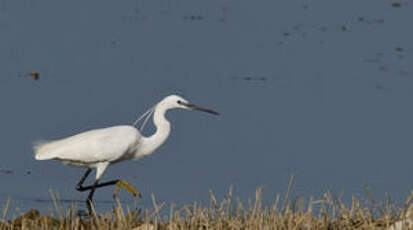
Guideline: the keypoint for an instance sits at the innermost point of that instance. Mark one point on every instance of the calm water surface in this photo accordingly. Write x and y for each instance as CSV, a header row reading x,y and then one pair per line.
x,y
321,90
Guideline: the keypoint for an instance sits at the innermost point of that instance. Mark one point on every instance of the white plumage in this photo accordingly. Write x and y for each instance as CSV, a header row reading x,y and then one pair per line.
x,y
101,147
107,144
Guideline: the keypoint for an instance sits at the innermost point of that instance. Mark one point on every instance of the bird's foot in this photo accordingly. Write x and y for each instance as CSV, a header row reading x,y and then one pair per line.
x,y
130,188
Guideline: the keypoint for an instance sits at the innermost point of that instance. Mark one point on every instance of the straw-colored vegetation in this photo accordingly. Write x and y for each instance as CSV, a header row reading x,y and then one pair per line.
x,y
230,213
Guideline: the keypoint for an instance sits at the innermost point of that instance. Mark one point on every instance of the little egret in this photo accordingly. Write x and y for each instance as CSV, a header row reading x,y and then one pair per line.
x,y
99,148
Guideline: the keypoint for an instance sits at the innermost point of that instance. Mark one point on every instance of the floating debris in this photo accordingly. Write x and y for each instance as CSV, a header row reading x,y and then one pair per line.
x,y
286,34
114,44
193,17
390,62
379,87
364,20
250,78
6,171
383,68
35,75
304,30
396,5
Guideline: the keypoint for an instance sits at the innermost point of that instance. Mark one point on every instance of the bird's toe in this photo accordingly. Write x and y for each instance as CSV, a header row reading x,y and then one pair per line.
x,y
128,187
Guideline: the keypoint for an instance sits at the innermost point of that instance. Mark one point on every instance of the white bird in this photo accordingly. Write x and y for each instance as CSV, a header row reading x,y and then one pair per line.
x,y
99,148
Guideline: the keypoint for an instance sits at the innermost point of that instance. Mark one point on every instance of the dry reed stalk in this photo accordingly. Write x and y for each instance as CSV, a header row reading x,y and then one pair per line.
x,y
229,213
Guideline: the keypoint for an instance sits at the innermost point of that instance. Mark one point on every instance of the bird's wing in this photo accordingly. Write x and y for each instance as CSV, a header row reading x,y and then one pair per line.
x,y
108,144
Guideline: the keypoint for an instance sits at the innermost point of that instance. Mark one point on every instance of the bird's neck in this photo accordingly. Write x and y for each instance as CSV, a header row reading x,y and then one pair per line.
x,y
163,128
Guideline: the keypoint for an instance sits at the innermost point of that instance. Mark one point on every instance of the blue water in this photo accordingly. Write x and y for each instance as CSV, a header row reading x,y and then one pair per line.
x,y
321,90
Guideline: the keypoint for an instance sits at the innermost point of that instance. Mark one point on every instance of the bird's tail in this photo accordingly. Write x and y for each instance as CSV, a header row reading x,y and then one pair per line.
x,y
42,150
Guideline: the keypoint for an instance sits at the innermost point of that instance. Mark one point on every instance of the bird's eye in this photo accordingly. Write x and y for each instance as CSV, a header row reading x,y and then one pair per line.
x,y
179,102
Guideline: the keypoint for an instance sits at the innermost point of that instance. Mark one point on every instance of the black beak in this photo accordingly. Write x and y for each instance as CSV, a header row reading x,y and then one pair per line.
x,y
195,107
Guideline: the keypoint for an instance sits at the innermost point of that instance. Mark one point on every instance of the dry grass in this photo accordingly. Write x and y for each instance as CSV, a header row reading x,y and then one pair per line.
x,y
229,213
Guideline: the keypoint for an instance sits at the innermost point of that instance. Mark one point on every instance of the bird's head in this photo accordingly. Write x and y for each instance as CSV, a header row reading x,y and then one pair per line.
x,y
175,101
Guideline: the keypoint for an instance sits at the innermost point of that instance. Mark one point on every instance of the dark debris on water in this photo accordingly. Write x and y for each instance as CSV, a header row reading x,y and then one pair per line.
x,y
250,78
35,75
399,49
6,171
193,17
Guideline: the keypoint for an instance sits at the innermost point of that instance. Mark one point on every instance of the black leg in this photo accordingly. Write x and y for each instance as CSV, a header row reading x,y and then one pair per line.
x,y
89,200
92,188
79,185
96,185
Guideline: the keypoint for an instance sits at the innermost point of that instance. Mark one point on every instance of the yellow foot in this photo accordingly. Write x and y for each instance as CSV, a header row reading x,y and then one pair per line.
x,y
130,188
